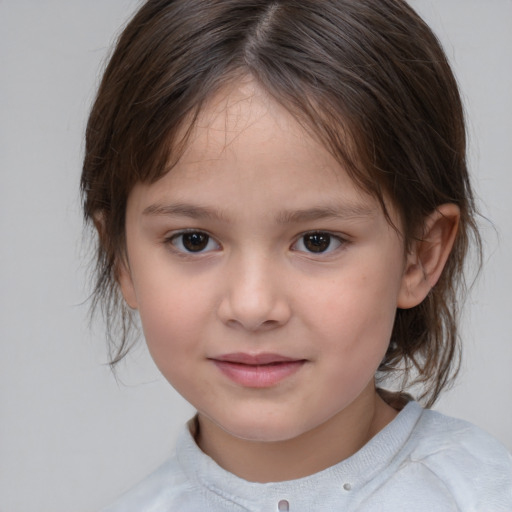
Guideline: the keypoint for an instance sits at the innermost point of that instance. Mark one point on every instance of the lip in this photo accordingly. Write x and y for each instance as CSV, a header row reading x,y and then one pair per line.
x,y
257,370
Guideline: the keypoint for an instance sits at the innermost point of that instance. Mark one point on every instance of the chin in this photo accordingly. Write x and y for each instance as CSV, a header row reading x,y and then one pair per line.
x,y
263,431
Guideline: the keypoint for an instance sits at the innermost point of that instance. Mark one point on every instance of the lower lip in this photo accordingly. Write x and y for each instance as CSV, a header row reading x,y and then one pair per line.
x,y
258,376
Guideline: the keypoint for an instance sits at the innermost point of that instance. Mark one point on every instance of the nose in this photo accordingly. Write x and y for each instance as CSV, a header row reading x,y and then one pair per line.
x,y
254,294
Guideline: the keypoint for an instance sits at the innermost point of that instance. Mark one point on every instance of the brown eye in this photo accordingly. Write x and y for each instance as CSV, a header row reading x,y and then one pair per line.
x,y
317,242
193,242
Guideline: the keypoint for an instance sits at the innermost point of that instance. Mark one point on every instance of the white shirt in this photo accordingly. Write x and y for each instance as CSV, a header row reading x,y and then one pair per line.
x,y
422,461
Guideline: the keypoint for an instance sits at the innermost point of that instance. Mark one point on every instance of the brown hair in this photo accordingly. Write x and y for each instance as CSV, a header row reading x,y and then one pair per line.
x,y
366,77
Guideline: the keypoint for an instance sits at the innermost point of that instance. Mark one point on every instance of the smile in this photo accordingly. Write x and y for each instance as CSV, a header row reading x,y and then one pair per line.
x,y
257,371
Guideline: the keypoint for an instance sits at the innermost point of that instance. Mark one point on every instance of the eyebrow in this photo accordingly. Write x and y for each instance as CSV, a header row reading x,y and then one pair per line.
x,y
335,211
185,210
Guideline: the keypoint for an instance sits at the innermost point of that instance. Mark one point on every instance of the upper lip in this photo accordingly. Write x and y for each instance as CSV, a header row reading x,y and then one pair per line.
x,y
254,359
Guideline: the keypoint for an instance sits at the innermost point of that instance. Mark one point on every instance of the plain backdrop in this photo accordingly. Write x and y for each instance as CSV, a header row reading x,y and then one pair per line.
x,y
71,436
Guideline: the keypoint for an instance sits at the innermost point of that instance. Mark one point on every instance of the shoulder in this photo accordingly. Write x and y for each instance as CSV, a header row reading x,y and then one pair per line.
x,y
167,485
440,464
474,468
173,486
437,435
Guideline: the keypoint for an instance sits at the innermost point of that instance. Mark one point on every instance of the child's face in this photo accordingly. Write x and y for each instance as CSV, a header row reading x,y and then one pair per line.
x,y
266,281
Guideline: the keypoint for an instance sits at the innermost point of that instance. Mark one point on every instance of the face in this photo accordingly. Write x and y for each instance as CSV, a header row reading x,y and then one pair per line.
x,y
266,280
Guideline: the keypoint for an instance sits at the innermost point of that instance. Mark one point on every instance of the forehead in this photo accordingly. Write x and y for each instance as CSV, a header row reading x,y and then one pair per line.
x,y
247,153
243,118
244,127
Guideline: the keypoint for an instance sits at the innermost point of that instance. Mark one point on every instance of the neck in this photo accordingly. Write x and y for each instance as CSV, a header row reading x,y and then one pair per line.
x,y
257,461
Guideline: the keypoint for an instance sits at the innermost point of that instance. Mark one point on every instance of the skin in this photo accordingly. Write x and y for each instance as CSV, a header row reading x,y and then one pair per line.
x,y
257,185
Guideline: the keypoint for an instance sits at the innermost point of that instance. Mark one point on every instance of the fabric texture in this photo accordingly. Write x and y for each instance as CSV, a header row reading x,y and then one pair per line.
x,y
422,461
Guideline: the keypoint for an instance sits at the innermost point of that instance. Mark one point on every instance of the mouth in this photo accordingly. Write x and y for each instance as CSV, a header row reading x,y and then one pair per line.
x,y
257,371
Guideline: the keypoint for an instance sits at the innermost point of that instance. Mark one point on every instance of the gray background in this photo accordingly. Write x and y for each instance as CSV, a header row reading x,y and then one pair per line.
x,y
71,437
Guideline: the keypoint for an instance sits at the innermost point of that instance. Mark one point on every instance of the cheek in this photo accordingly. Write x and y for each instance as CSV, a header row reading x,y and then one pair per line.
x,y
169,315
168,337
354,317
355,302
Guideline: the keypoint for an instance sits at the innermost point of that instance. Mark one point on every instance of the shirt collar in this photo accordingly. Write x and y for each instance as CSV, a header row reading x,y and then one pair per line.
x,y
336,484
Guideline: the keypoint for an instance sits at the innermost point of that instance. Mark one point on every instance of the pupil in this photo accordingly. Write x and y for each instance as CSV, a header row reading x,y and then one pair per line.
x,y
195,242
317,242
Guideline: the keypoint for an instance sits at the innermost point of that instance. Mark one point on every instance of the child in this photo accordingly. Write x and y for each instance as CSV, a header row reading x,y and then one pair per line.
x,y
281,193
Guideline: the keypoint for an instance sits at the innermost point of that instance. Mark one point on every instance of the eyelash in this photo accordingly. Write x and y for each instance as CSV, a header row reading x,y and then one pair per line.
x,y
323,240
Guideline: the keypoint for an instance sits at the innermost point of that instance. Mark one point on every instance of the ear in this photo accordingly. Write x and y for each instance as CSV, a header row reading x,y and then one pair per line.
x,y
122,268
428,255
125,281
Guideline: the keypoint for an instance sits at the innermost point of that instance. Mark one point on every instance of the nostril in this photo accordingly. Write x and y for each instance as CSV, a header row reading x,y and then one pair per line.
x,y
253,324
269,324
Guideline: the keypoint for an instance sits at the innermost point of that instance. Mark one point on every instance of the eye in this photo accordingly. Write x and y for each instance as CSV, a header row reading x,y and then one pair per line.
x,y
317,242
193,242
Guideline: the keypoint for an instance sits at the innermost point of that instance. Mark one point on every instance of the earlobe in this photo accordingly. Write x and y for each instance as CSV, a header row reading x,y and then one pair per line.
x,y
125,281
428,255
122,271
